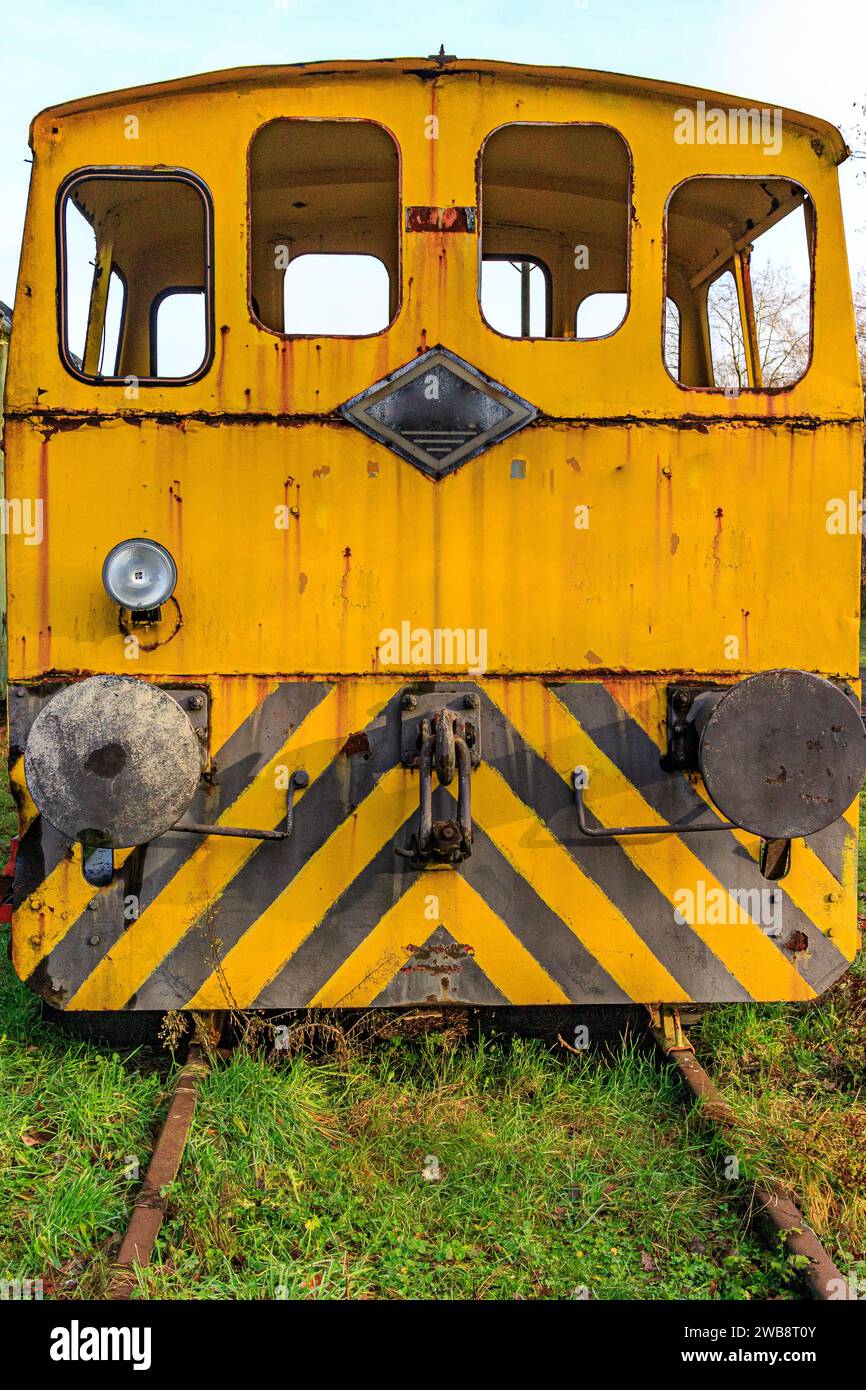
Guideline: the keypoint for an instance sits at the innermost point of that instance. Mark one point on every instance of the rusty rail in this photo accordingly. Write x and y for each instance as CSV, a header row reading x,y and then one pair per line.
x,y
149,1207
772,1199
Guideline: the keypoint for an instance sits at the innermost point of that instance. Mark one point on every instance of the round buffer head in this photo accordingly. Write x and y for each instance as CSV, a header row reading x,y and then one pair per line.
x,y
783,754
114,758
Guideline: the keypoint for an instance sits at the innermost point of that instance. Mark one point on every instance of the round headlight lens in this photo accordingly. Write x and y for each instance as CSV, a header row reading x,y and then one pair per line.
x,y
139,574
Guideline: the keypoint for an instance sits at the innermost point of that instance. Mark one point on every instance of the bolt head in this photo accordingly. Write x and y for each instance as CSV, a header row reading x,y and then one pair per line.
x,y
409,702
195,702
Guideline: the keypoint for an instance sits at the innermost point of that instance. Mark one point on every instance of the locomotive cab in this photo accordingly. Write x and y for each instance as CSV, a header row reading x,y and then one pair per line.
x,y
436,458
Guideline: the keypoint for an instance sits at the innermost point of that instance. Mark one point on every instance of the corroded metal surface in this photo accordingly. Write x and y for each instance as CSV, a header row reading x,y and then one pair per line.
x,y
149,1208
295,626
783,754
771,1198
112,757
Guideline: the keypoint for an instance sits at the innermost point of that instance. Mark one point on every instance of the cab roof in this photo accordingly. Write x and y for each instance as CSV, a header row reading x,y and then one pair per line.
x,y
429,69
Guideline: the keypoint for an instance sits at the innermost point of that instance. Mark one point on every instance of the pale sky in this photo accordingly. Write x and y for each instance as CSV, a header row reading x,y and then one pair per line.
x,y
797,53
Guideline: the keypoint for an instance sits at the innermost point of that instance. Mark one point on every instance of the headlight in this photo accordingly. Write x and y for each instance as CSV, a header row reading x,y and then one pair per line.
x,y
139,574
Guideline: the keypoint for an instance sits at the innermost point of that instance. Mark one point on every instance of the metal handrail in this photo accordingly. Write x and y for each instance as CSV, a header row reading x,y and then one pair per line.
x,y
614,832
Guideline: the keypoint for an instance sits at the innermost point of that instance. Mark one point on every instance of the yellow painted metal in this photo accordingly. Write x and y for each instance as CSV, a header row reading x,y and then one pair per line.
x,y
651,536
5,330
501,956
667,1028
707,513
726,543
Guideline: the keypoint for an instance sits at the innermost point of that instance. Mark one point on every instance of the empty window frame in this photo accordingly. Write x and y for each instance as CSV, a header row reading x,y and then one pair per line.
x,y
672,337
177,332
739,274
128,239
336,294
112,327
600,314
324,227
515,296
557,196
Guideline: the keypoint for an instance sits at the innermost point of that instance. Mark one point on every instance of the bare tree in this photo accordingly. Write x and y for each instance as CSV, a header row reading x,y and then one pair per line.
x,y
855,133
859,289
726,333
782,320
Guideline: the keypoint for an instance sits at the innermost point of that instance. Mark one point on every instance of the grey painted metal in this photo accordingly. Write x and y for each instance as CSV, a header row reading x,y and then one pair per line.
x,y
782,754
637,756
438,412
615,831
113,757
148,869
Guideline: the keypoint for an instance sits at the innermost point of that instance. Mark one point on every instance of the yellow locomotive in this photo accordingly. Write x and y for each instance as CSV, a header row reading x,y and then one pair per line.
x,y
430,581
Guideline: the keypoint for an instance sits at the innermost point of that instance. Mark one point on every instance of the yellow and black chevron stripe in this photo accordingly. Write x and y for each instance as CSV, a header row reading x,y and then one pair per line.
x,y
332,916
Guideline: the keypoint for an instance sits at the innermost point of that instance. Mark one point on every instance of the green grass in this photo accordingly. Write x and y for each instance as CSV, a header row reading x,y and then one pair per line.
x,y
305,1178
559,1174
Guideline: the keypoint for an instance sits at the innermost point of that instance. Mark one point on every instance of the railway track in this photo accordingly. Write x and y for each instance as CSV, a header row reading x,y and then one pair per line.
x,y
149,1207
772,1203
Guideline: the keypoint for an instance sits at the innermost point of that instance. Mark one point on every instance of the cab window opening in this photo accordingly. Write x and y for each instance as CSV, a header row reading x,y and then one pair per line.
x,y
600,314
727,340
127,239
739,273
334,293
324,227
556,196
516,295
113,325
672,337
177,331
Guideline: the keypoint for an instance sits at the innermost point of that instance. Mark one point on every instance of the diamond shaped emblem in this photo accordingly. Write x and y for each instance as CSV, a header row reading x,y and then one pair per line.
x,y
438,412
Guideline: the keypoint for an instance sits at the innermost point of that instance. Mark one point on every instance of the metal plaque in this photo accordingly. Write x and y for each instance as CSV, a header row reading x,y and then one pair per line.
x,y
438,412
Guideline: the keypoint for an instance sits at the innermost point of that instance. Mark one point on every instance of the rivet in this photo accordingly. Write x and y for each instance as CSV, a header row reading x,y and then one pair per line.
x,y
195,702
92,905
35,904
834,897
409,702
666,471
93,940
